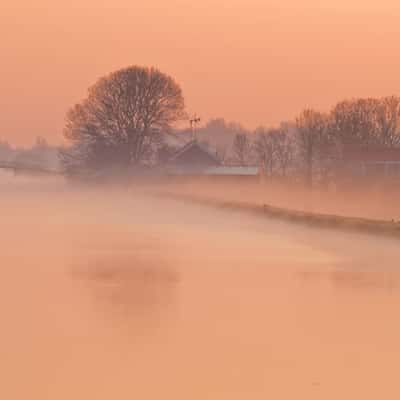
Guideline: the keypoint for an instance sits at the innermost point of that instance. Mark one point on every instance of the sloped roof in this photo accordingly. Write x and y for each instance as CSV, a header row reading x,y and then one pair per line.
x,y
174,140
190,145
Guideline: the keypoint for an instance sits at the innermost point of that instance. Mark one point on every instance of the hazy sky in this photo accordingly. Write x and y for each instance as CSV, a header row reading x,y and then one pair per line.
x,y
254,61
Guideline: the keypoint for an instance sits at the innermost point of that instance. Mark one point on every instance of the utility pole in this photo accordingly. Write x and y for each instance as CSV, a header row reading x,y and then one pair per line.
x,y
193,126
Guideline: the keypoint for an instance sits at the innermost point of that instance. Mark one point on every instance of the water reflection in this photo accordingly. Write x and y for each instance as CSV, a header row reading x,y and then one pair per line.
x,y
130,299
130,283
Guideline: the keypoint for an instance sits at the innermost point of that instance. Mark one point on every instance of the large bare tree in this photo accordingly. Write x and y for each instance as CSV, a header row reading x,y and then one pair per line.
x,y
122,118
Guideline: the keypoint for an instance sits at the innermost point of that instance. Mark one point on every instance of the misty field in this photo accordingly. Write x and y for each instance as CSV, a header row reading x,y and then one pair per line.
x,y
116,294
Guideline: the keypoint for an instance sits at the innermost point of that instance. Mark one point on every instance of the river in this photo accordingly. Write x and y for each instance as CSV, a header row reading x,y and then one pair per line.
x,y
108,294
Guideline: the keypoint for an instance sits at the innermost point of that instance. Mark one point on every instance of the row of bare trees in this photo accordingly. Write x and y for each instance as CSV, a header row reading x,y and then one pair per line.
x,y
40,155
367,121
313,144
272,149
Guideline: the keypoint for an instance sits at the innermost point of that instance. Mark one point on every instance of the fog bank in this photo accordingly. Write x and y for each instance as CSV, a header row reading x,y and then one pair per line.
x,y
111,293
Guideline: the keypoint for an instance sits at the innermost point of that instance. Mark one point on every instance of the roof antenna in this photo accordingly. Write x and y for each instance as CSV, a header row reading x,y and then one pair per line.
x,y
193,126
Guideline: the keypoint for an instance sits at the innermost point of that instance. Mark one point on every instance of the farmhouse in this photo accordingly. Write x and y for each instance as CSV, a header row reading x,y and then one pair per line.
x,y
194,160
372,161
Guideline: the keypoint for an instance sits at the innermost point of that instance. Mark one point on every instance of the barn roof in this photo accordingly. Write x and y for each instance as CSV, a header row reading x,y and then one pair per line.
x,y
174,139
191,145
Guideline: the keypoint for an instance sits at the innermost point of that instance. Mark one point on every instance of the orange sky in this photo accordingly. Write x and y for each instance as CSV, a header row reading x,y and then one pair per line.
x,y
254,61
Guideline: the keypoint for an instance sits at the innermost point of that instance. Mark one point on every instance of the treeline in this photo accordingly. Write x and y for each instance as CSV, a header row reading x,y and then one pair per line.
x,y
128,116
40,154
312,145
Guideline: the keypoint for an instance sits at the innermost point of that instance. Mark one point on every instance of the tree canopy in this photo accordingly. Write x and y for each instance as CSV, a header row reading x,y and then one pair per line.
x,y
122,118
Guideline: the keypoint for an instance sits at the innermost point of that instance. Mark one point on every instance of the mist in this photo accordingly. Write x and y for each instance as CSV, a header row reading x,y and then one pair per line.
x,y
122,293
199,199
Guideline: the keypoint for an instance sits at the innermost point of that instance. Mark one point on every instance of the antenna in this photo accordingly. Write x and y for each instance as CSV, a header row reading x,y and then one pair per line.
x,y
193,125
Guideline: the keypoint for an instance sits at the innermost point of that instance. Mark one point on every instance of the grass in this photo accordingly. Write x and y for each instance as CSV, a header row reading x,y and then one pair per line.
x,y
363,225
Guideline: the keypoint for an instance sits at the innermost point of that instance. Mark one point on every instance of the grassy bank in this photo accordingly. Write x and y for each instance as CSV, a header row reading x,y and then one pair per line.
x,y
362,225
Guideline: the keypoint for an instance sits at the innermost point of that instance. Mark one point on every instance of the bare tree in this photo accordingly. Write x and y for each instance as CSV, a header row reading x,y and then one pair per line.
x,y
265,148
366,122
274,149
285,148
388,121
354,121
311,131
122,118
241,149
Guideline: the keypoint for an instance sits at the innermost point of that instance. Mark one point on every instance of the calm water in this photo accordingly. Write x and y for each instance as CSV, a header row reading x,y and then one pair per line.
x,y
113,296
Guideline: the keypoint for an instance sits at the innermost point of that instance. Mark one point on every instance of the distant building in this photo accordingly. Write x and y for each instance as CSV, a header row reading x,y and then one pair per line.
x,y
194,160
372,161
191,158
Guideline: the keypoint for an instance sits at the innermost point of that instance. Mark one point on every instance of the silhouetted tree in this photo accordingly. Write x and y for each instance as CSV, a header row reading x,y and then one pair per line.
x,y
122,119
285,148
366,122
241,149
265,148
311,133
274,149
388,121
354,121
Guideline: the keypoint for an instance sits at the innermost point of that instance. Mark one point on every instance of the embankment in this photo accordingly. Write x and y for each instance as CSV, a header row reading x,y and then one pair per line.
x,y
318,220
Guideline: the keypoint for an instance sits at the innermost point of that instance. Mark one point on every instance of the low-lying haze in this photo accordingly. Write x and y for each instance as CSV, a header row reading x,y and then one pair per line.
x,y
109,293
